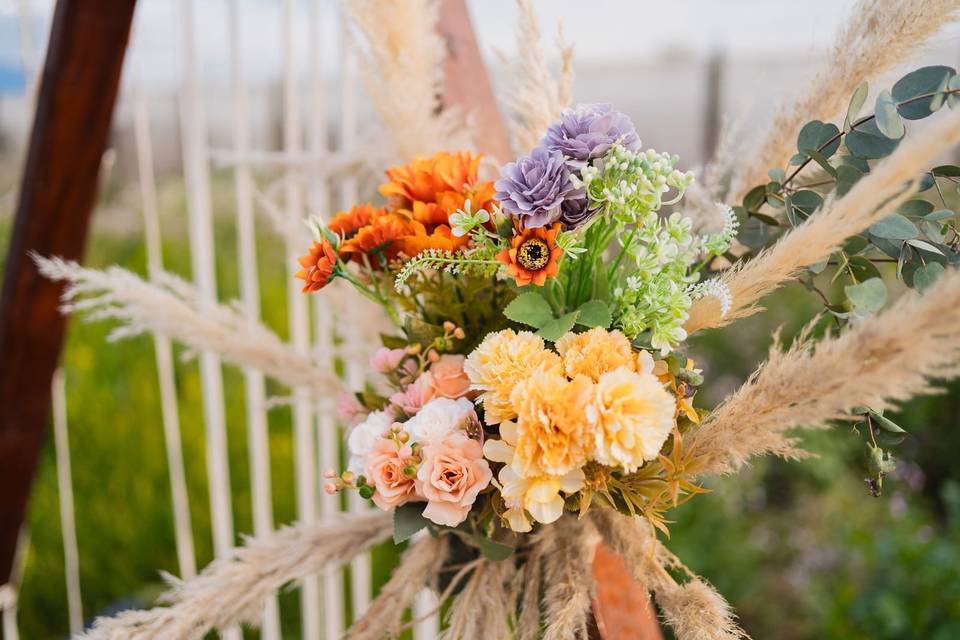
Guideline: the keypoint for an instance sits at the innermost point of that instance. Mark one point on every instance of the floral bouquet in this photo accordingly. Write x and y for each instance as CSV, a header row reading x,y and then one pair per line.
x,y
536,371
534,395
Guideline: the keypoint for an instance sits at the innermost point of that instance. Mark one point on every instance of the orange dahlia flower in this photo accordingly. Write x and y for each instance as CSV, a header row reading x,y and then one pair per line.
x,y
424,178
533,255
380,239
346,223
318,266
441,238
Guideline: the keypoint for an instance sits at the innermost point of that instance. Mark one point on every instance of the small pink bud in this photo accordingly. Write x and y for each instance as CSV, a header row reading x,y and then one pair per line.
x,y
348,477
330,488
329,474
413,349
459,334
449,326
434,356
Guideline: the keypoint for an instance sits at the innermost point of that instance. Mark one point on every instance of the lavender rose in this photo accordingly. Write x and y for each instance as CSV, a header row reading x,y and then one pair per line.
x,y
574,212
587,131
534,187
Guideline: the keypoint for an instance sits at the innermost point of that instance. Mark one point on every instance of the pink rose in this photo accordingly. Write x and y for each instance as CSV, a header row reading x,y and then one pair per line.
x,y
384,468
386,360
350,409
451,475
449,380
417,394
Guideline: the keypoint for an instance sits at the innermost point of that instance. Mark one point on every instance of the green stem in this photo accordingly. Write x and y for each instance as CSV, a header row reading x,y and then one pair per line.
x,y
623,251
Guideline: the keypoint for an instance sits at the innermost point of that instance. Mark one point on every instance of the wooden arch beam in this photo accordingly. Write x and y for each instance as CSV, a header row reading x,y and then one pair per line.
x,y
81,75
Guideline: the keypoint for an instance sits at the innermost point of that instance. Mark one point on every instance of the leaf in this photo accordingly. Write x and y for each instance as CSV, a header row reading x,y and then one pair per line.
x,y
421,332
946,171
754,198
939,214
868,296
894,227
854,245
802,204
885,423
595,313
494,550
393,342
529,308
555,328
857,100
407,520
847,176
926,246
863,269
888,120
953,85
867,142
915,208
815,134
927,275
917,83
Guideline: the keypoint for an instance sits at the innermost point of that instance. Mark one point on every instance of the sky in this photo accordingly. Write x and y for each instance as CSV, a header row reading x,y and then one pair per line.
x,y
602,31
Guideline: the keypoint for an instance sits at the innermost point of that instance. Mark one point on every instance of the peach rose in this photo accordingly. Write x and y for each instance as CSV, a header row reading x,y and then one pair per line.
x,y
451,475
417,394
449,379
384,468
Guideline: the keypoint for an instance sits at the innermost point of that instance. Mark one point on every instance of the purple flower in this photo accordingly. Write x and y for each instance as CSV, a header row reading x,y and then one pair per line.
x,y
574,212
534,187
587,131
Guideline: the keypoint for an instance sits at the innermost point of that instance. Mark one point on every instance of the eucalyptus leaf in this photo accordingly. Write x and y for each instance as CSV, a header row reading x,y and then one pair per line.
x,y
939,214
926,80
863,268
854,245
407,520
894,227
555,328
866,143
529,308
595,313
857,163
927,275
847,176
857,101
803,203
915,208
953,85
888,119
946,171
932,230
815,134
923,244
867,296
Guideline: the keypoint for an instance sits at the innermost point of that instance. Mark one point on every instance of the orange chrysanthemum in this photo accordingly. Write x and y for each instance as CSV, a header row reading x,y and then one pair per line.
x,y
533,255
424,178
347,223
380,240
318,266
441,238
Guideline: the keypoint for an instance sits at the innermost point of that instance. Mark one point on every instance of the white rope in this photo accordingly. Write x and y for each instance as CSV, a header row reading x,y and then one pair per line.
x,y
197,177
255,391
306,479
183,532
68,525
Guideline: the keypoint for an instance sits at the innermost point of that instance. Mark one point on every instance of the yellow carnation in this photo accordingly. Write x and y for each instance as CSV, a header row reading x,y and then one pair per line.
x,y
552,430
632,414
538,497
595,352
501,361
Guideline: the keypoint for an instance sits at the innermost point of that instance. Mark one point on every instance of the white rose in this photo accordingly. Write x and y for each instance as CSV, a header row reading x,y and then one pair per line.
x,y
362,437
439,418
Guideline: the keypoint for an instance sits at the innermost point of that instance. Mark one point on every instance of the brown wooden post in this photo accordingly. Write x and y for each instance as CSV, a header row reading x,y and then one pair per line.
x,y
466,81
81,74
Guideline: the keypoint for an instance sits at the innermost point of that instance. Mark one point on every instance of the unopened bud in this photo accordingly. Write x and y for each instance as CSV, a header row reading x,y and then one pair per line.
x,y
348,477
366,492
449,326
403,436
329,474
330,488
459,334
361,480
410,471
434,356
413,349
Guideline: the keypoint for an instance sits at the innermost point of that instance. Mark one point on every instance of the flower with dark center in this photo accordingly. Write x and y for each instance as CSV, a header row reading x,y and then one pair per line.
x,y
533,255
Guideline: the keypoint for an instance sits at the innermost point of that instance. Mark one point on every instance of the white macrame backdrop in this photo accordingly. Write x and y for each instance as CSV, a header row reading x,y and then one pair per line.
x,y
311,183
